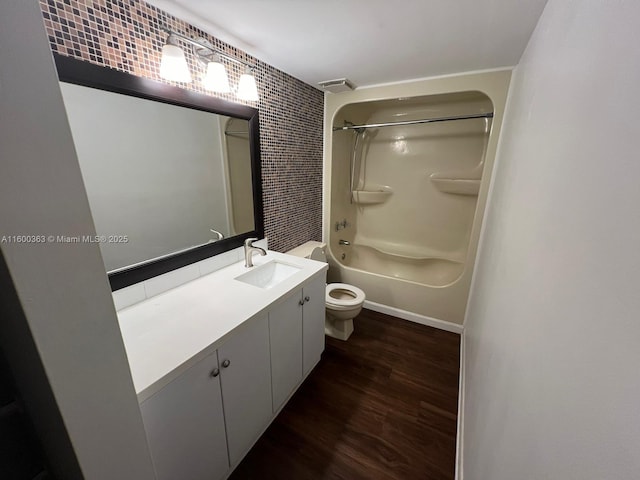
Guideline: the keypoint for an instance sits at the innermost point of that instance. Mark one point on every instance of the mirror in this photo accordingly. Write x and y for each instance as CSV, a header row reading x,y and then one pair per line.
x,y
172,176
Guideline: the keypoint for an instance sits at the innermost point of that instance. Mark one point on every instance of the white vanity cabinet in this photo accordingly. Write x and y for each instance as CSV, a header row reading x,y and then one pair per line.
x,y
185,421
214,360
185,425
296,334
285,336
245,375
313,315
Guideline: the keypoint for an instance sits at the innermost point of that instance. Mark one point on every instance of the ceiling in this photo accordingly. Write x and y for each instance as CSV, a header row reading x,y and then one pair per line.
x,y
368,41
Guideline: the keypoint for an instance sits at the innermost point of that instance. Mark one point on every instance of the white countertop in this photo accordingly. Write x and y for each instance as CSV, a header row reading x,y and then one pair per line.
x,y
168,333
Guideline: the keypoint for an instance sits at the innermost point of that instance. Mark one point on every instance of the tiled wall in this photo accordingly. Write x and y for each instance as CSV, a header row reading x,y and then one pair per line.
x,y
125,35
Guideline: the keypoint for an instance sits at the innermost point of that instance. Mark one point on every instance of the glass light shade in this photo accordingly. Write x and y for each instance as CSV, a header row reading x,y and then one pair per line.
x,y
247,88
173,65
216,78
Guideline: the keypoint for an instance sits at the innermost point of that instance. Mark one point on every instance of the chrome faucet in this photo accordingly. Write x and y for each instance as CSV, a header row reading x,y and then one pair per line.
x,y
248,251
343,242
219,235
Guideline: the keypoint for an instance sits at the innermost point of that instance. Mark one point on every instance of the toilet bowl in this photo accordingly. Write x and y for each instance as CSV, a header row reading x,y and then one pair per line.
x,y
342,301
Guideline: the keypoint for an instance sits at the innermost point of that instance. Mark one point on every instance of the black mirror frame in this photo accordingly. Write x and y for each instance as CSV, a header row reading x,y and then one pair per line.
x,y
83,73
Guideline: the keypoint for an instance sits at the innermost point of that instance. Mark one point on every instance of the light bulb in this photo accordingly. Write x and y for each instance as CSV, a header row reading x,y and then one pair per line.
x,y
216,78
173,65
247,88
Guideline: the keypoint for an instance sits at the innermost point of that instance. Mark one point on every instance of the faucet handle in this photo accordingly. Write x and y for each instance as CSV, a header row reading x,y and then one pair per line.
x,y
249,242
219,234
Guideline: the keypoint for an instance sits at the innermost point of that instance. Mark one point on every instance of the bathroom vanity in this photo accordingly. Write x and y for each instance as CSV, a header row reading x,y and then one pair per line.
x,y
214,360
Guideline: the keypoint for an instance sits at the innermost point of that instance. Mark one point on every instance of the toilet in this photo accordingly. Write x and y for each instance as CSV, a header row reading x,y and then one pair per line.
x,y
342,301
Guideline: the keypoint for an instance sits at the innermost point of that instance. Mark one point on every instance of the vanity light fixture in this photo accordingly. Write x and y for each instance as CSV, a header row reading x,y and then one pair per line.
x,y
216,78
173,66
247,88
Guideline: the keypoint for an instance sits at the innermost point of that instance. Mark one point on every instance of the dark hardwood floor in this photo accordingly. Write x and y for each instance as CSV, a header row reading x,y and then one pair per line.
x,y
381,406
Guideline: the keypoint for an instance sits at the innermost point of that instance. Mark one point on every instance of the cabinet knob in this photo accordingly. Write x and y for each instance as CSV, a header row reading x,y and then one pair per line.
x,y
306,299
215,372
301,302
225,363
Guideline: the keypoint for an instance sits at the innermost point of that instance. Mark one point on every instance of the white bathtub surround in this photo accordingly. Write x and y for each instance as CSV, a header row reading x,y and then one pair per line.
x,y
413,196
552,333
421,268
138,292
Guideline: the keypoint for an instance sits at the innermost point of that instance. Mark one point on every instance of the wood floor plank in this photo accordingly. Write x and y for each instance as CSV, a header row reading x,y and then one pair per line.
x,y
381,406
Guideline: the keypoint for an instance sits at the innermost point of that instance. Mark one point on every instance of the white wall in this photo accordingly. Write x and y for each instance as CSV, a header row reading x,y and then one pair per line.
x,y
63,289
553,332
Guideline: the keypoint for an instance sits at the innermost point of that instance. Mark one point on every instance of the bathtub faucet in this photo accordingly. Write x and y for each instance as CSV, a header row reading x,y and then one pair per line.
x,y
344,242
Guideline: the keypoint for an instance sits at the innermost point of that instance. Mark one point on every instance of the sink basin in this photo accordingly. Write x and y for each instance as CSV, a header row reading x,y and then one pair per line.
x,y
268,275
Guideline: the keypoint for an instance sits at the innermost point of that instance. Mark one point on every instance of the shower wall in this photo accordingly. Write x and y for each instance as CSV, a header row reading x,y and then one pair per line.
x,y
417,184
409,199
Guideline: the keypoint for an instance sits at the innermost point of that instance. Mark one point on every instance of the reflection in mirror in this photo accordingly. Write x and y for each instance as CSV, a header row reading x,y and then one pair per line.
x,y
238,160
172,176
160,178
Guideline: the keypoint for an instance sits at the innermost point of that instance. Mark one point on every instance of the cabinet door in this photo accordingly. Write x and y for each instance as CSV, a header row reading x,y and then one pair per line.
x,y
246,386
285,335
185,426
313,292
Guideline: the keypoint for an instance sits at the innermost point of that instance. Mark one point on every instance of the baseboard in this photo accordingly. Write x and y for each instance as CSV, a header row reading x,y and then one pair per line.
x,y
414,317
460,427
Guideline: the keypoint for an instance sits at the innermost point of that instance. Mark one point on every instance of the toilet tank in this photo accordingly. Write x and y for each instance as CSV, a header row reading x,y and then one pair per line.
x,y
312,250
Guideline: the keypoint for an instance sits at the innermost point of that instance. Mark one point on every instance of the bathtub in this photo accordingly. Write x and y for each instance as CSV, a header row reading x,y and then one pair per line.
x,y
429,272
404,195
428,290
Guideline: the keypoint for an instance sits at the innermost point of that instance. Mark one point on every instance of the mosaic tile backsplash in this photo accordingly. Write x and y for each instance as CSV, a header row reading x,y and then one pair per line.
x,y
126,35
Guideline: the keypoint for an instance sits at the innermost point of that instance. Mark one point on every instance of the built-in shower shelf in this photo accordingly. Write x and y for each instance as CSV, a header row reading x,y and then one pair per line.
x,y
457,186
371,197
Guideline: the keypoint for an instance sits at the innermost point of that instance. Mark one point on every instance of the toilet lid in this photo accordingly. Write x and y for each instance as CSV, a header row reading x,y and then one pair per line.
x,y
344,295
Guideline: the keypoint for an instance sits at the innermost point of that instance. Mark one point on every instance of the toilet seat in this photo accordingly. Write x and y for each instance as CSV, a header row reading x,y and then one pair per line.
x,y
355,298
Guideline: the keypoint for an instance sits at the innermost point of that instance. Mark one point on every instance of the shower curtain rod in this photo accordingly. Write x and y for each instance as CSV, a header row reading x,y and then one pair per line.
x,y
412,122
